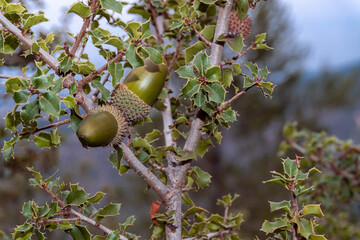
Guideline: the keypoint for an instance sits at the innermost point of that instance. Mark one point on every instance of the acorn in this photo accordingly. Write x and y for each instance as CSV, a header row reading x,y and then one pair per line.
x,y
139,90
104,126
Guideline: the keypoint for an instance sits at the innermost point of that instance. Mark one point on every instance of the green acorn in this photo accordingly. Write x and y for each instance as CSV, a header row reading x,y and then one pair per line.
x,y
104,126
140,89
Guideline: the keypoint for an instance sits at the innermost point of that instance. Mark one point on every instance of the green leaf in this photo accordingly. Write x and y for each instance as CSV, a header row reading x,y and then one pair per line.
x,y
43,140
65,64
192,87
115,158
208,32
175,25
252,67
77,197
155,55
201,62
116,71
158,231
313,209
50,103
186,72
30,110
142,143
42,82
39,235
187,200
33,20
283,205
260,38
96,198
317,237
140,11
80,9
213,74
133,57
27,209
112,5
193,210
236,44
21,97
216,92
105,93
69,101
55,137
113,236
128,222
203,146
75,120
12,120
80,233
290,167
133,29
14,8
227,77
191,51
110,210
200,99
203,178
228,115
13,84
270,227
305,227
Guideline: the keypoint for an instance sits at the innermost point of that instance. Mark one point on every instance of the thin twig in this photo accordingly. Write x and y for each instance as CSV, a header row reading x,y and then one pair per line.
x,y
296,208
11,76
154,17
57,124
97,91
58,220
243,53
175,56
86,25
211,235
227,103
150,178
90,77
28,42
201,37
80,216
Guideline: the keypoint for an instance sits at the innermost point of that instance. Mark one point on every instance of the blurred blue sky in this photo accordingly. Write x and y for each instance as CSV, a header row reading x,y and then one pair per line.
x,y
329,28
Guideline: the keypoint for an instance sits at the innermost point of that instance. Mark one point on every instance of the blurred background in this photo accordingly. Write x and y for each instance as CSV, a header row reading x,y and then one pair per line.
x,y
315,65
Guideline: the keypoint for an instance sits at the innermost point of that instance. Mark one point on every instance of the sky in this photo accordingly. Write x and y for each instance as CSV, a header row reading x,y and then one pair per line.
x,y
330,28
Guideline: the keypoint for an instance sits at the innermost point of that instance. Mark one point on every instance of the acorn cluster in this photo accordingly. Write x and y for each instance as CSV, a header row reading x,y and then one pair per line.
x,y
130,101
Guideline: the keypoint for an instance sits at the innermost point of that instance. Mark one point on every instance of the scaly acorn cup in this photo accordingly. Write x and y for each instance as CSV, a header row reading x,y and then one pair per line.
x,y
139,90
104,126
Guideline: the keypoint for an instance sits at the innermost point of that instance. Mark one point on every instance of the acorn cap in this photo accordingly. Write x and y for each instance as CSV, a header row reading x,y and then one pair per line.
x,y
104,126
139,90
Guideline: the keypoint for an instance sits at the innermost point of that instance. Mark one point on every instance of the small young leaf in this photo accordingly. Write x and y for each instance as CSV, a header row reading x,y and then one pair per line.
x,y
203,146
270,227
201,62
33,20
105,93
203,178
283,205
116,71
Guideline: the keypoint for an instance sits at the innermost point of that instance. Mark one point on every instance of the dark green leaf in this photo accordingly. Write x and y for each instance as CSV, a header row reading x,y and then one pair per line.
x,y
236,44
216,92
50,103
192,87
283,205
203,178
105,93
201,62
133,57
191,51
43,140
116,71
80,232
203,146
186,72
270,227
30,110
42,82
